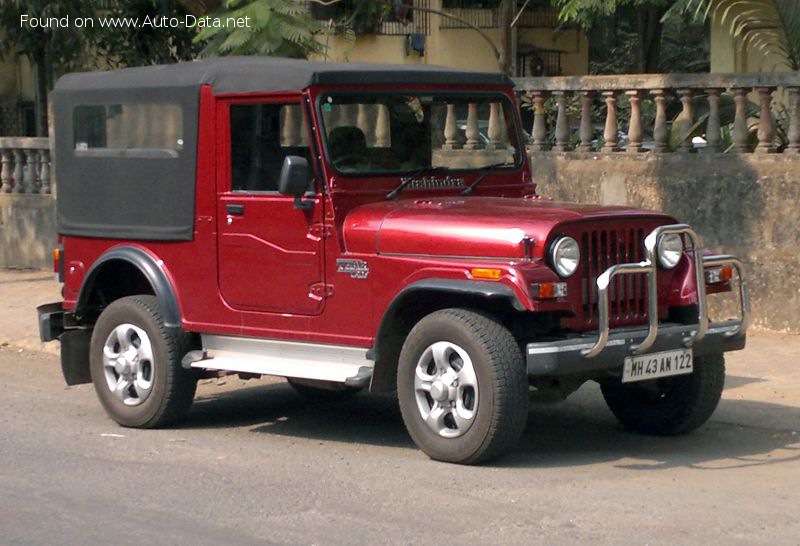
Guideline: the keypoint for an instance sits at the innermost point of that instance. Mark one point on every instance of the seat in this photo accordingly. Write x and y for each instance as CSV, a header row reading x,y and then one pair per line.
x,y
347,146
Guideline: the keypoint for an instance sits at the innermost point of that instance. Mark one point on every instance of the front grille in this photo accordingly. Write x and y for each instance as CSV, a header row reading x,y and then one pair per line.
x,y
600,249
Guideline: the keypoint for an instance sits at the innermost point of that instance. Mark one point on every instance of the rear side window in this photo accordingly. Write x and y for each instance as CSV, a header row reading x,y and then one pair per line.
x,y
153,130
262,135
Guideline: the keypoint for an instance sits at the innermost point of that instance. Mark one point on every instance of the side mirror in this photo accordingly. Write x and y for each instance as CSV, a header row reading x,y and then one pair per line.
x,y
295,180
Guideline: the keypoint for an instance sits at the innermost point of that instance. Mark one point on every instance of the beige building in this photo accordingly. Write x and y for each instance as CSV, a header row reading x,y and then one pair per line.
x,y
540,46
17,95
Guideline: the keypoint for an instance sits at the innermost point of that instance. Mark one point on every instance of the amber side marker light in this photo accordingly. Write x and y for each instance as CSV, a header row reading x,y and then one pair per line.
x,y
485,273
719,274
58,264
549,290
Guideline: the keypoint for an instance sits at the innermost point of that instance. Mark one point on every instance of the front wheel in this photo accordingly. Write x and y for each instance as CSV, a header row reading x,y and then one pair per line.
x,y
135,363
462,387
669,406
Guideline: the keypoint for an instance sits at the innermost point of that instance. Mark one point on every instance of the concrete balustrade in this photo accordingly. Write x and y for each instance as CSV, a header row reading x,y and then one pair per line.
x,y
663,91
25,166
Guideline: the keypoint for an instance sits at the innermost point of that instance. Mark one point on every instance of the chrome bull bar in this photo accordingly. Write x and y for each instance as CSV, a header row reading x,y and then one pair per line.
x,y
650,267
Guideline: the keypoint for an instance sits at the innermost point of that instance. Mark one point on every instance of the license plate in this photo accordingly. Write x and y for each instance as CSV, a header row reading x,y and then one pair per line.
x,y
655,365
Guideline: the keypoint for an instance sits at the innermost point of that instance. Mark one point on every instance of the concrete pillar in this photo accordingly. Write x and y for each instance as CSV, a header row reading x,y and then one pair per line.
x,y
611,129
660,132
766,128
539,132
473,132
586,130
685,121
740,132
635,131
562,124
713,131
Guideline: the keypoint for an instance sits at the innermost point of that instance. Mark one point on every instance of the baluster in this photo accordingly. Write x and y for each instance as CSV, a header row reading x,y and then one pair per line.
x,y
18,164
660,133
382,128
685,120
562,123
740,133
713,131
289,132
362,122
794,120
31,175
450,129
586,130
766,128
539,122
5,173
44,170
473,134
635,131
494,127
349,113
610,134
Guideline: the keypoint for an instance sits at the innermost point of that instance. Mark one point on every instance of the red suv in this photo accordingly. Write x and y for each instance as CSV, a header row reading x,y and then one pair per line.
x,y
352,226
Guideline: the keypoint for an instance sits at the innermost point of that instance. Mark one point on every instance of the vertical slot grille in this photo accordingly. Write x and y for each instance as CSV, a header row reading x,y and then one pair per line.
x,y
600,249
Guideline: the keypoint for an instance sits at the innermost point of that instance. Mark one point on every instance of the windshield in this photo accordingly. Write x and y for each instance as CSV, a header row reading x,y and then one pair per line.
x,y
401,133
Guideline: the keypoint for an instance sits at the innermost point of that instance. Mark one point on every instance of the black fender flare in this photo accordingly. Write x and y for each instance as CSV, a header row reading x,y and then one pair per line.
x,y
153,271
382,378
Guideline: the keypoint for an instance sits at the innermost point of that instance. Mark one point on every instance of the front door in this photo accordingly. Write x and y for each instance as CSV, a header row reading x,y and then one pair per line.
x,y
270,254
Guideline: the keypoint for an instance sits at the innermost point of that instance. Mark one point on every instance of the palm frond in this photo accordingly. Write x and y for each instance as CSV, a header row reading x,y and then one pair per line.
x,y
769,26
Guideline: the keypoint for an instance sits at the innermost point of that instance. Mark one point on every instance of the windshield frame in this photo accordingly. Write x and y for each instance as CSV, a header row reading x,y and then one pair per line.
x,y
500,94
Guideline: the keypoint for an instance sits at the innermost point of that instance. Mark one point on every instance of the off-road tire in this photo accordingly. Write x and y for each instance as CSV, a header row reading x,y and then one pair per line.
x,y
322,390
502,386
173,387
669,406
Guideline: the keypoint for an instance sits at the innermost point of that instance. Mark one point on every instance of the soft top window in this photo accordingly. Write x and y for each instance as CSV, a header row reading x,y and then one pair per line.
x,y
128,130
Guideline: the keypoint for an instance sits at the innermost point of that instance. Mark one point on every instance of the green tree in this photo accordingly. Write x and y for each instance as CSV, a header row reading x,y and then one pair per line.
x,y
277,28
650,16
767,25
129,46
52,49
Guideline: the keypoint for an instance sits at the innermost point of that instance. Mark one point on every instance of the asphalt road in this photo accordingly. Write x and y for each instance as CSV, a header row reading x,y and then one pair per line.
x,y
258,464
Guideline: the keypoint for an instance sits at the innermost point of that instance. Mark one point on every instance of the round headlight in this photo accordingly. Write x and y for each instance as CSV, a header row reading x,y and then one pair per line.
x,y
566,255
670,249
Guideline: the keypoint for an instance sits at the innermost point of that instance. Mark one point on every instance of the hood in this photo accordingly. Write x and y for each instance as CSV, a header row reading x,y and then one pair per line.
x,y
487,227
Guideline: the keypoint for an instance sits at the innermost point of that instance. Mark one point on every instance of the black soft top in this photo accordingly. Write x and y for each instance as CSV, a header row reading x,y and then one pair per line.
x,y
150,195
271,74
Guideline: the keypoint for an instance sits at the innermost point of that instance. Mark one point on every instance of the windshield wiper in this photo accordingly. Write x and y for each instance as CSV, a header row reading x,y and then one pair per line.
x,y
410,178
468,189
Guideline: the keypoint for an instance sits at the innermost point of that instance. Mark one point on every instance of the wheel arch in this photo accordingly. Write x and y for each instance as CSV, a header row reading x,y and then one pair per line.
x,y
126,271
420,299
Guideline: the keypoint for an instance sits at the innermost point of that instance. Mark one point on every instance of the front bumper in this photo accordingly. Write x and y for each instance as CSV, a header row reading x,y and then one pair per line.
x,y
566,357
607,349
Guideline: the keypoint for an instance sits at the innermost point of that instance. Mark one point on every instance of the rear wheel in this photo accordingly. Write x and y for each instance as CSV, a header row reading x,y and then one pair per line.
x,y
462,387
669,406
135,363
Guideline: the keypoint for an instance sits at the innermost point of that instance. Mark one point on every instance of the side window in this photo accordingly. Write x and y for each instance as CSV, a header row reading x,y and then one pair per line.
x,y
262,135
128,130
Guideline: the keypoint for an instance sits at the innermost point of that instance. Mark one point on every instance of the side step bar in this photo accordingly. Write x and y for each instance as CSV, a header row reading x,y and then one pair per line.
x,y
337,363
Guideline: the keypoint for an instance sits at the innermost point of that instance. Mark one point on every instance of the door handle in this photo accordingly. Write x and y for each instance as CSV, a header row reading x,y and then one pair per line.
x,y
234,209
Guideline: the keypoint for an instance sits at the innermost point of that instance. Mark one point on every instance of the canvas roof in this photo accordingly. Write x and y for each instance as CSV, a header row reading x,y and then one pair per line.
x,y
272,74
